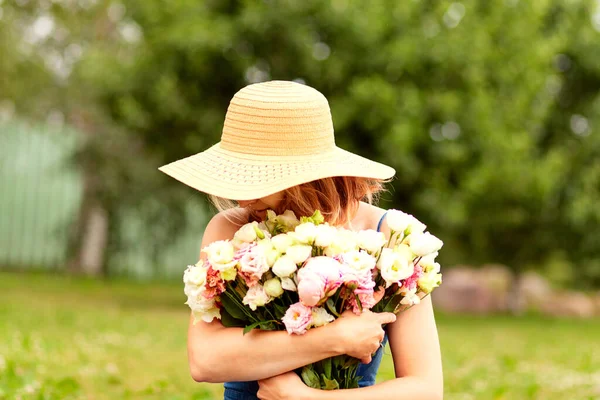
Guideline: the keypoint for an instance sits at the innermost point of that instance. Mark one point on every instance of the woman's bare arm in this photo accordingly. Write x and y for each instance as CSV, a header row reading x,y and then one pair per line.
x,y
219,354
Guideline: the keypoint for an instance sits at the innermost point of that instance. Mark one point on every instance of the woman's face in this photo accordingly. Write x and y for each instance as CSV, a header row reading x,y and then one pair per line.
x,y
259,207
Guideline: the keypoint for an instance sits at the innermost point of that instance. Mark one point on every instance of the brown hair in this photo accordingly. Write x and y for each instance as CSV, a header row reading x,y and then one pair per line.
x,y
337,197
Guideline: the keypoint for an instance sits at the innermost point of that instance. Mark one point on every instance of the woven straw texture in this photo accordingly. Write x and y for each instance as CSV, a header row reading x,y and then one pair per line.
x,y
276,135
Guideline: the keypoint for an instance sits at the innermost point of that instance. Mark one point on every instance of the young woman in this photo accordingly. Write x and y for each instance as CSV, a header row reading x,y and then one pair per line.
x,y
277,151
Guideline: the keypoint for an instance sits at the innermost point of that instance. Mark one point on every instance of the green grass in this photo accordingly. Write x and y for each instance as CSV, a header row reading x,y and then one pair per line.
x,y
63,338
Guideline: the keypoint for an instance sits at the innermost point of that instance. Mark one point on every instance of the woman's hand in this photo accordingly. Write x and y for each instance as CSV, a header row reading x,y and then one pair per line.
x,y
361,335
284,386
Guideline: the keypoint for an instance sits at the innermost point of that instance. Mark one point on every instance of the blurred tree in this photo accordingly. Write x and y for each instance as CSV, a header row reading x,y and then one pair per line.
x,y
486,109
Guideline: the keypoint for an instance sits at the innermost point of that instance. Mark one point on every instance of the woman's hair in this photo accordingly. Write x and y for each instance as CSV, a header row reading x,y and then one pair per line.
x,y
337,198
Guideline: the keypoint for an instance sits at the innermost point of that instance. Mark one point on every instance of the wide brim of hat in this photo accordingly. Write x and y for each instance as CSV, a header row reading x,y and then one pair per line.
x,y
239,176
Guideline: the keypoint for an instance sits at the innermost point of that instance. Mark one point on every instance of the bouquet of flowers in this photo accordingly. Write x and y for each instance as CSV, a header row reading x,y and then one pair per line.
x,y
299,274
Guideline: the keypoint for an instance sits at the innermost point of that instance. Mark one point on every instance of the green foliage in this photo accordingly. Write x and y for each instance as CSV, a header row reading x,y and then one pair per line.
x,y
487,110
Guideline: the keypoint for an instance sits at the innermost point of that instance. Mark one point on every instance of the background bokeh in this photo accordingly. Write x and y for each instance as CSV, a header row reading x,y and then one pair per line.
x,y
488,110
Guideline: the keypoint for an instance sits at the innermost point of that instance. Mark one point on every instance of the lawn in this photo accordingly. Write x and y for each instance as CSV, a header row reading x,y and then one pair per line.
x,y
64,338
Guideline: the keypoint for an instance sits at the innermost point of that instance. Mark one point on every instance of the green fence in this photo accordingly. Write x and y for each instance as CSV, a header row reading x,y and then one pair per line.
x,y
40,192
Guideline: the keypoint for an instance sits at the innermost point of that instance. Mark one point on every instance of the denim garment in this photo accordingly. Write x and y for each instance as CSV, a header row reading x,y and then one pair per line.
x,y
247,390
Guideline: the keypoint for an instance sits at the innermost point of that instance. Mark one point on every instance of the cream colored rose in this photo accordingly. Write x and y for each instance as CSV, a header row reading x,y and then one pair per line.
x,y
325,235
282,242
305,233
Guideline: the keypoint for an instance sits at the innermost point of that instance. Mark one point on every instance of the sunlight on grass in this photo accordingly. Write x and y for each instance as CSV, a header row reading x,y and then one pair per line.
x,y
64,338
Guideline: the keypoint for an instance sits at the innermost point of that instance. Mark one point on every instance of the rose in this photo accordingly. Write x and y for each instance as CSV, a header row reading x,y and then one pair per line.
x,y
297,318
305,233
282,242
203,309
273,287
370,240
284,266
321,317
424,244
394,266
256,297
220,254
299,253
325,234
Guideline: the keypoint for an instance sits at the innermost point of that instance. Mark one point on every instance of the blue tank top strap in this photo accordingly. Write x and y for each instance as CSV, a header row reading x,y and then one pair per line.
x,y
381,221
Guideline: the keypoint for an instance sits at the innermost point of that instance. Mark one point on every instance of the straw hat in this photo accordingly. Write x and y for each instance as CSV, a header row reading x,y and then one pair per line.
x,y
276,135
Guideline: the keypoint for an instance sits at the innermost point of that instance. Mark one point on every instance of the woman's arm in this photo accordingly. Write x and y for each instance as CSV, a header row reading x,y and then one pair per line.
x,y
417,362
219,354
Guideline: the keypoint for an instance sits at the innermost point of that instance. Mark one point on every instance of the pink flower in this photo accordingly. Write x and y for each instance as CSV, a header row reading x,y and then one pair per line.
x,y
311,288
367,300
253,264
319,278
410,283
297,318
214,284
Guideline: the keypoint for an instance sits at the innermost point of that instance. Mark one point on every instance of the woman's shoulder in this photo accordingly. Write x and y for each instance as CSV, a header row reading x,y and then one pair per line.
x,y
369,216
224,224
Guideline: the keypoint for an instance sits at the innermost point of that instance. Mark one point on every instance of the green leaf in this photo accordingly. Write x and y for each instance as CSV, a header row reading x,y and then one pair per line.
x,y
331,307
264,325
232,308
310,377
327,367
228,321
330,384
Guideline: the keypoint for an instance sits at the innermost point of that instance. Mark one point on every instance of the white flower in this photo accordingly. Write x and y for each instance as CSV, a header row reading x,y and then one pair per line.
x,y
269,251
195,275
299,253
424,244
410,297
394,266
429,281
359,260
344,241
399,221
282,241
273,287
288,284
325,235
284,266
321,317
305,233
202,308
220,254
256,297
247,233
428,260
370,240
